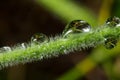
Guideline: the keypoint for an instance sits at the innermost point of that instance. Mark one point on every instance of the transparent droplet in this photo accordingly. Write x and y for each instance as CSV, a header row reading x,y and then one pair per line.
x,y
24,45
113,21
110,42
5,49
76,26
38,38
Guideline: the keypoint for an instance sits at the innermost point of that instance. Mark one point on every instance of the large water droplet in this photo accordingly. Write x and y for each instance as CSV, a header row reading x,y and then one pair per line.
x,y
5,49
113,21
76,26
110,42
38,38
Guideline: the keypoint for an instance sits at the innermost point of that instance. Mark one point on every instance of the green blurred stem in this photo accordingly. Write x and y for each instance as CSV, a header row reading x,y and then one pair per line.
x,y
108,67
68,10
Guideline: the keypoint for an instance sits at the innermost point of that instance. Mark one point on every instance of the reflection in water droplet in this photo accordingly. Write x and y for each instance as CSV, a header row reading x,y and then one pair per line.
x,y
38,38
113,21
110,42
5,49
76,26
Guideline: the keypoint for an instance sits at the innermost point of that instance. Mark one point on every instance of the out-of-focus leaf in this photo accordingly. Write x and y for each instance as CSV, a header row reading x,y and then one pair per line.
x,y
68,10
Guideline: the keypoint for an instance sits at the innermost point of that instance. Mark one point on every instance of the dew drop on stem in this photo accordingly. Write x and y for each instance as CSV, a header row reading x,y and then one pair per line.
x,y
76,26
38,38
24,45
113,21
5,49
110,42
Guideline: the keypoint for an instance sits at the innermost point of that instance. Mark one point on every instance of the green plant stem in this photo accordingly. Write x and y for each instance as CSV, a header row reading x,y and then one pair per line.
x,y
57,46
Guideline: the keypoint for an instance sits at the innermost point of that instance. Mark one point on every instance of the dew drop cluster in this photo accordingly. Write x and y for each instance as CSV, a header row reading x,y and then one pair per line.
x,y
73,27
36,39
81,26
111,41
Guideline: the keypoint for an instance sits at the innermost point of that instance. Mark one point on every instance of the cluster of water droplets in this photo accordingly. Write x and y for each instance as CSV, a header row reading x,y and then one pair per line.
x,y
74,27
35,39
81,26
111,41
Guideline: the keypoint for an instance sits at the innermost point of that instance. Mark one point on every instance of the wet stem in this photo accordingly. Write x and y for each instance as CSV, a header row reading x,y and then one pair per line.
x,y
57,46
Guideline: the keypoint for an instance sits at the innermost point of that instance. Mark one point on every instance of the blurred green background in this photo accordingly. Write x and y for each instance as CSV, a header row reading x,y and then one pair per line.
x,y
20,19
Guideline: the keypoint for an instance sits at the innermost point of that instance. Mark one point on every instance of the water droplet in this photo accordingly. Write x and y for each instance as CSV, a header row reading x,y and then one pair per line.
x,y
24,45
76,26
38,38
110,42
4,49
113,21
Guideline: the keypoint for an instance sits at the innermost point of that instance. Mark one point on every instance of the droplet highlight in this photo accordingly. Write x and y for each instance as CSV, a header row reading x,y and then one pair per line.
x,y
76,26
38,38
5,49
110,42
113,21
24,45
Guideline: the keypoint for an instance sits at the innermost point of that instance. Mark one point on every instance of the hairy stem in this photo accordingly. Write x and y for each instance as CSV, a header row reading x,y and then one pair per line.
x,y
56,46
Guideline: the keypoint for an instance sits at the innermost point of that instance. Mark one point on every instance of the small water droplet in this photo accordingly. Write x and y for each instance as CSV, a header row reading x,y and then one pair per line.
x,y
24,45
113,21
110,42
38,38
5,49
76,26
